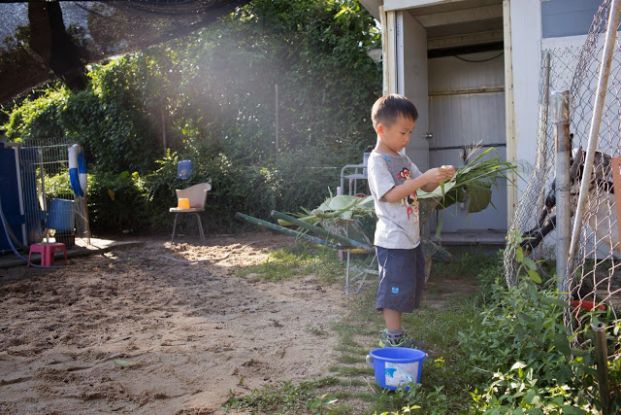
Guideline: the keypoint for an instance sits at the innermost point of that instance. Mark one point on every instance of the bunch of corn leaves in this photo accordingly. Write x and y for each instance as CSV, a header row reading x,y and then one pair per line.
x,y
472,183
352,216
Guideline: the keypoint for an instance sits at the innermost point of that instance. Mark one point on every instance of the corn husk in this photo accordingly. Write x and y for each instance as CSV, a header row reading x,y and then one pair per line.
x,y
472,185
340,207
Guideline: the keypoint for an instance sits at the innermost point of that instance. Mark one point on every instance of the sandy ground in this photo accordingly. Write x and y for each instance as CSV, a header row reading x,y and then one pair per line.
x,y
159,329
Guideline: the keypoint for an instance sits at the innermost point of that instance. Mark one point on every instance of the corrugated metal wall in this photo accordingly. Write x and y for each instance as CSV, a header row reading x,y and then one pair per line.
x,y
467,106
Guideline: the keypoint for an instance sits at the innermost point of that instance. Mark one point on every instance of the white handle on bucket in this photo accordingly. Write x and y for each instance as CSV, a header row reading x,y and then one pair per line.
x,y
370,360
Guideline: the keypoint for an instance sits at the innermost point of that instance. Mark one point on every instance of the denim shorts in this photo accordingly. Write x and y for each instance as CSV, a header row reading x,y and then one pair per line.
x,y
401,278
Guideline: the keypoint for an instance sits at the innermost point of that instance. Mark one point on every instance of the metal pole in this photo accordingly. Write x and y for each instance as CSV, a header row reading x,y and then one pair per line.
x,y
320,231
543,126
277,126
601,357
281,229
163,126
563,215
600,98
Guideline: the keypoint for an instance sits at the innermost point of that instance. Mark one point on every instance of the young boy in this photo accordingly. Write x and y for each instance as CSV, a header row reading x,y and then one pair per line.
x,y
394,179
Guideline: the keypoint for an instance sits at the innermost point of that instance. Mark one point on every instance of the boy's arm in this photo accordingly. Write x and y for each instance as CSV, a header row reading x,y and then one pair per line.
x,y
427,181
430,187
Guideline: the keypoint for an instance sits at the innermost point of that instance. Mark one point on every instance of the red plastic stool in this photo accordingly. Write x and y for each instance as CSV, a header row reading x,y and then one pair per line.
x,y
47,250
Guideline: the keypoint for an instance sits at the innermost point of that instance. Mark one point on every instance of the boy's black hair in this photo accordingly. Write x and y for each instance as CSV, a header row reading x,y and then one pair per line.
x,y
387,108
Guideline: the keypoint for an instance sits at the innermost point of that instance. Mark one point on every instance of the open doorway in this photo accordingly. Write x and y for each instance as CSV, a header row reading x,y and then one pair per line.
x,y
450,62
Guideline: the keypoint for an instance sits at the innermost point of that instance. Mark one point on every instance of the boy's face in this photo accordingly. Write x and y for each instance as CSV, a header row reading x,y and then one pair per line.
x,y
396,136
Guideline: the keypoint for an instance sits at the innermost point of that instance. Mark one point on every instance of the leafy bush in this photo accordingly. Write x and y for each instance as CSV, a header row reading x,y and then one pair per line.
x,y
522,348
519,391
283,184
524,324
118,202
212,95
37,116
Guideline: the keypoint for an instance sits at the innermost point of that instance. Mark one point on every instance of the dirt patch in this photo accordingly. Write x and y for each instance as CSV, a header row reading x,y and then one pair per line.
x,y
159,329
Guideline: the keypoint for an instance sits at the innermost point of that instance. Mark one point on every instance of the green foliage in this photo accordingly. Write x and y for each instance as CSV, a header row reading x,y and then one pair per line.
x,y
283,184
59,185
212,96
523,324
519,391
112,118
109,118
416,399
490,278
523,343
118,202
37,117
322,44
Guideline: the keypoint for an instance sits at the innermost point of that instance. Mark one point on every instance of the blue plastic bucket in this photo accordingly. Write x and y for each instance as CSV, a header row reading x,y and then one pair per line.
x,y
396,366
60,215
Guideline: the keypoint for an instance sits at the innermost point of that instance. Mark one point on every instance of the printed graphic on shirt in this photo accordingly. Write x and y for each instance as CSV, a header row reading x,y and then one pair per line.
x,y
410,202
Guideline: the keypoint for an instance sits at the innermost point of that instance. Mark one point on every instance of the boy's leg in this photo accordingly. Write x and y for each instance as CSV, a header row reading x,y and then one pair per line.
x,y
392,318
399,291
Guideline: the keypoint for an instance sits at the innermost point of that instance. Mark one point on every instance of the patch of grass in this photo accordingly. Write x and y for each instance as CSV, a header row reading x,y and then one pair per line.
x,y
447,382
317,331
466,264
447,365
350,389
290,398
352,382
297,260
351,349
351,371
426,400
349,359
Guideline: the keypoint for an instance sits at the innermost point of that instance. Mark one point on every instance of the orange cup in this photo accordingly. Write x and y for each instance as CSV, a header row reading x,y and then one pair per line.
x,y
183,203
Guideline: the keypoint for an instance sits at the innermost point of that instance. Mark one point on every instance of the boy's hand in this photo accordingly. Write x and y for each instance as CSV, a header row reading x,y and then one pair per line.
x,y
439,174
449,170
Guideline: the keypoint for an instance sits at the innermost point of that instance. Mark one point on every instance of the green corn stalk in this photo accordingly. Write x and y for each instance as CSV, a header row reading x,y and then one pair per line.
x,y
472,184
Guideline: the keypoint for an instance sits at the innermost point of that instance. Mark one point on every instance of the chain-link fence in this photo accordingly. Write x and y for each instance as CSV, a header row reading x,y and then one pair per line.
x,y
536,227
593,274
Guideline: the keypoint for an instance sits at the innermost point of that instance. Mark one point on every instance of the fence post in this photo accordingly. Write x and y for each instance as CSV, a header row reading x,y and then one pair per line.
x,y
540,161
601,357
600,98
276,121
562,182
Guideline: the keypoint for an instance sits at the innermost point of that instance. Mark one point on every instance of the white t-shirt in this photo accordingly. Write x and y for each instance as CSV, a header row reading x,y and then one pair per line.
x,y
397,223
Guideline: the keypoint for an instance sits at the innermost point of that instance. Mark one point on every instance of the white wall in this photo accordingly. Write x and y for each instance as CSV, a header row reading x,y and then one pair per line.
x,y
412,82
526,57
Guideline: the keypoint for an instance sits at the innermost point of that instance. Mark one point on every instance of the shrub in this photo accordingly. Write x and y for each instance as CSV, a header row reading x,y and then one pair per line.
x,y
523,349
284,184
118,202
519,391
211,94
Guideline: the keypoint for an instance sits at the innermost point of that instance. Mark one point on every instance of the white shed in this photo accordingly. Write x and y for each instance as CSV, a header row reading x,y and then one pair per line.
x,y
472,68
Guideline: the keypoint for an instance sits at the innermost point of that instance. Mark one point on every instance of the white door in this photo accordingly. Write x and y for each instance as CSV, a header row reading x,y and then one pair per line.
x,y
412,82
467,106
405,73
